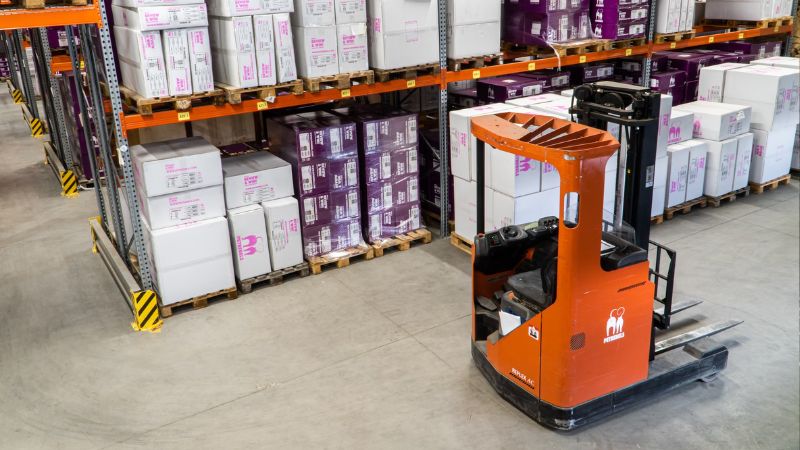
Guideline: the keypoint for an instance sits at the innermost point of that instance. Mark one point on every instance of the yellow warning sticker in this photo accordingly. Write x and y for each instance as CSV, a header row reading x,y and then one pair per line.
x,y
145,312
672,45
69,184
37,127
184,116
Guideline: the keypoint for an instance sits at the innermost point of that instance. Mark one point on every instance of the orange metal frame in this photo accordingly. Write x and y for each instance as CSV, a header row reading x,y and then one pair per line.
x,y
16,19
135,121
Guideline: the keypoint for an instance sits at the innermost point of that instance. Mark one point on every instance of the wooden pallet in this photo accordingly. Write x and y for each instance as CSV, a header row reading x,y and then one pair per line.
x,y
674,37
339,81
145,106
66,2
513,51
742,24
475,62
685,208
461,243
273,278
340,258
757,188
407,73
626,43
198,302
235,95
729,197
403,241
657,220
31,4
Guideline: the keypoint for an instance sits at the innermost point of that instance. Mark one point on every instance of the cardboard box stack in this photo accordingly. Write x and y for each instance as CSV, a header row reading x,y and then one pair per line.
x,y
403,33
748,9
620,19
541,23
254,184
179,184
323,151
723,128
251,42
163,49
388,156
674,16
473,28
662,156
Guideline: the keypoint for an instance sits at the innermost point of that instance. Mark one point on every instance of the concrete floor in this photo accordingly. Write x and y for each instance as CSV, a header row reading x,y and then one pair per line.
x,y
372,356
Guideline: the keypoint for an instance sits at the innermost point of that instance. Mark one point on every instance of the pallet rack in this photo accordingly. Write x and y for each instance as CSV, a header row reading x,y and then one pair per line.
x,y
107,230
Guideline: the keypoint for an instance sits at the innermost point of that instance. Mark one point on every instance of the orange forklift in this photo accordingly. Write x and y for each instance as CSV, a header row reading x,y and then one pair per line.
x,y
566,310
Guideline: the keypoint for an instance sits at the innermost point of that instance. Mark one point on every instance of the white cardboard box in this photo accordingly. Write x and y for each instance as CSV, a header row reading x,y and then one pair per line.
x,y
739,9
688,19
182,207
787,62
264,37
316,50
176,57
200,59
283,232
190,260
521,210
744,153
465,209
796,152
350,11
403,33
473,28
233,51
513,175
527,102
255,178
141,61
231,8
681,124
462,142
140,3
696,176
314,13
771,92
718,121
720,167
772,154
352,46
677,174
712,81
550,177
664,111
149,18
284,48
668,16
659,186
173,166
248,230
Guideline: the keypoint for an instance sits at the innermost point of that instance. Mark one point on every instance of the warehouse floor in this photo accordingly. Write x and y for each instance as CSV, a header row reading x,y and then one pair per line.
x,y
375,355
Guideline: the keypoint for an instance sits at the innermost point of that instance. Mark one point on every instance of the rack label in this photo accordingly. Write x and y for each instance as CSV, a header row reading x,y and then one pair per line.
x,y
711,39
531,66
345,93
628,52
671,45
261,106
741,35
411,83
582,59
183,116
476,74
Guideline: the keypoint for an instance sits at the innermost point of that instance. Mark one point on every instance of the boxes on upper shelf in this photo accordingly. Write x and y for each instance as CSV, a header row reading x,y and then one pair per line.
x,y
248,232
720,167
473,28
314,13
350,11
141,61
283,232
284,48
149,18
200,59
264,41
744,9
352,47
255,178
177,165
772,154
140,3
233,50
771,92
190,260
501,89
718,121
176,52
403,33
231,8
316,51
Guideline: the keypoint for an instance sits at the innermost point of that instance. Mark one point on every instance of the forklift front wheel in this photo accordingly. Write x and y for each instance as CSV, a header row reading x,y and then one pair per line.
x,y
710,378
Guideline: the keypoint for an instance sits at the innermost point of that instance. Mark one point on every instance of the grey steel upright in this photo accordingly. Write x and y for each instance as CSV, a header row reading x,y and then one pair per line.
x,y
444,148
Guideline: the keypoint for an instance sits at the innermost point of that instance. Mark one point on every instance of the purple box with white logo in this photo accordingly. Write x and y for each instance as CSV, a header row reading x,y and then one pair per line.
x,y
591,73
318,177
316,136
330,207
553,80
671,82
526,28
744,47
381,127
389,194
547,6
393,221
690,63
500,89
390,164
331,237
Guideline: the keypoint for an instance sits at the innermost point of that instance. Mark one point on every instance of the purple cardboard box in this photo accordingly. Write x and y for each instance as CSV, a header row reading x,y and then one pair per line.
x,y
319,177
381,127
330,207
691,63
591,73
747,59
719,55
524,28
547,6
773,48
321,239
393,221
316,136
743,47
390,164
389,194
672,82
500,89
552,80
464,98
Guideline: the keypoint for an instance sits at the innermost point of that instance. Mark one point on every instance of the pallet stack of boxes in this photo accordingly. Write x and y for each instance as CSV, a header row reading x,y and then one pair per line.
x,y
674,16
331,37
163,50
251,42
323,151
534,23
180,188
473,28
388,152
403,33
620,19
262,214
749,10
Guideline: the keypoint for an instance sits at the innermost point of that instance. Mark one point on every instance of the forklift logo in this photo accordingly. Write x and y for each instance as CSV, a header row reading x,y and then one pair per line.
x,y
614,325
533,333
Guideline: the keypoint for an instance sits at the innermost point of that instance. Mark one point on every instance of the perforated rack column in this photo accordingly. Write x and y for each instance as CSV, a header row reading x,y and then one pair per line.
x,y
57,105
444,148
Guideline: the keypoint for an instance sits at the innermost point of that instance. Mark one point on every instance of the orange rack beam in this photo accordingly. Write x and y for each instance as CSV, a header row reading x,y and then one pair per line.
x,y
135,121
61,63
55,16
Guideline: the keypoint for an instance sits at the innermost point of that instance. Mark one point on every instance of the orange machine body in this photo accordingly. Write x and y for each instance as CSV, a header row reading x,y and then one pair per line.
x,y
594,339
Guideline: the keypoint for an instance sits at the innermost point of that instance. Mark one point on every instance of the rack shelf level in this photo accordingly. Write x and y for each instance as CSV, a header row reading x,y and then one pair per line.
x,y
53,16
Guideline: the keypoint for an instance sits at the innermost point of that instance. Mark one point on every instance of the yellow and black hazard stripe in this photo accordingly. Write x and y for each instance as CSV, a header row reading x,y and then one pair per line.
x,y
37,127
69,183
145,311
16,94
